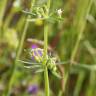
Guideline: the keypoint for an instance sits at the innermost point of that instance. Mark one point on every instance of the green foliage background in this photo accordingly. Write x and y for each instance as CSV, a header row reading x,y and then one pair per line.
x,y
74,39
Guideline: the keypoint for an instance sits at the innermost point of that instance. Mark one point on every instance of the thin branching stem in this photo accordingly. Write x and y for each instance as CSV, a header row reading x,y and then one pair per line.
x,y
11,81
75,49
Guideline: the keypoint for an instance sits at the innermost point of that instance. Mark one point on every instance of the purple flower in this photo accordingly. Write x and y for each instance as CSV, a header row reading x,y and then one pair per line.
x,y
40,52
32,89
33,46
36,52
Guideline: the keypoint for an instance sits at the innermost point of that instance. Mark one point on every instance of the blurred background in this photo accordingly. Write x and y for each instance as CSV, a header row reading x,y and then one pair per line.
x,y
73,38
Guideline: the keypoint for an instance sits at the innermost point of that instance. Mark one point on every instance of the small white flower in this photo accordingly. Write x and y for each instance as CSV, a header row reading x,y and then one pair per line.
x,y
16,3
59,11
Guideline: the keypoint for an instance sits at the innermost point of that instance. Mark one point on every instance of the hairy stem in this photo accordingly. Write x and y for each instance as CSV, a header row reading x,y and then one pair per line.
x,y
45,60
45,52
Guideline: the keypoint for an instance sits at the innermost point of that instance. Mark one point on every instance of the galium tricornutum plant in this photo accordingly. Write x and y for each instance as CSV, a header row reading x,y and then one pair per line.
x,y
40,55
43,61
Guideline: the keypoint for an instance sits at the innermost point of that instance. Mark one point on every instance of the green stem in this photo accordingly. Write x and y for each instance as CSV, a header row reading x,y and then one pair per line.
x,y
80,27
45,59
48,5
46,81
45,52
45,40
7,93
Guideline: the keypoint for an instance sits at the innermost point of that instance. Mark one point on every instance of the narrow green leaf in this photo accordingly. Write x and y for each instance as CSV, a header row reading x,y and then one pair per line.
x,y
2,9
56,74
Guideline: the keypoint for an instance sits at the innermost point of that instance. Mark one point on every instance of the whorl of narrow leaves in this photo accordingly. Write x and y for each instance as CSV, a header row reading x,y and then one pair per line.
x,y
39,12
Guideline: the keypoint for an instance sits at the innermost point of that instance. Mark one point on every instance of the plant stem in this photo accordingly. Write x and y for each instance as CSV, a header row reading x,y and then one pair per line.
x,y
45,39
46,81
45,59
45,52
48,5
85,9
7,93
